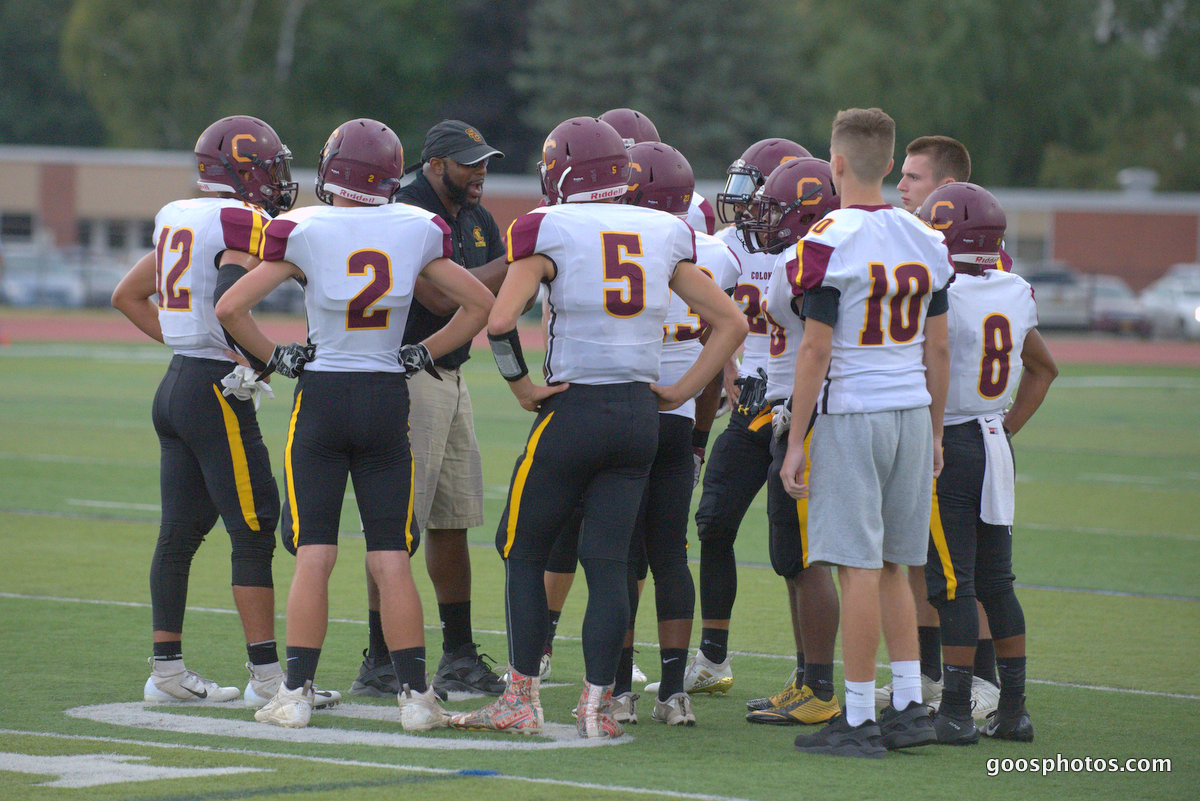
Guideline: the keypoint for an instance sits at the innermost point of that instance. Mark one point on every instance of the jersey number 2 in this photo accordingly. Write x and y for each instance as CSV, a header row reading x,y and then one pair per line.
x,y
359,315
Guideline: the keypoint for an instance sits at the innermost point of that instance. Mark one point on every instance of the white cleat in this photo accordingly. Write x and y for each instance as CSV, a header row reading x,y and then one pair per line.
x,y
675,711
985,697
638,675
703,676
266,680
184,686
421,711
931,694
624,708
290,708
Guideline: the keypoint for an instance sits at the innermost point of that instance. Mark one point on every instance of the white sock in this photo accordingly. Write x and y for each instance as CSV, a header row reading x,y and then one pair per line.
x,y
860,702
906,683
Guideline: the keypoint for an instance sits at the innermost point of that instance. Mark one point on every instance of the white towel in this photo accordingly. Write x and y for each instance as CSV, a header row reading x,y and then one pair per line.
x,y
998,499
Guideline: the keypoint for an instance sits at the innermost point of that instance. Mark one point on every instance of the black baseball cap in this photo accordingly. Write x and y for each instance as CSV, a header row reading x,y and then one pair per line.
x,y
454,139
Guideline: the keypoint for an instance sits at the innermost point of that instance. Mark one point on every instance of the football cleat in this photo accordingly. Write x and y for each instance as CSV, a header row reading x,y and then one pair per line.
x,y
703,676
544,665
184,686
594,716
954,729
624,708
376,678
931,694
638,675
675,711
906,728
839,738
518,709
804,707
465,670
290,708
985,696
420,711
780,698
264,684
1010,724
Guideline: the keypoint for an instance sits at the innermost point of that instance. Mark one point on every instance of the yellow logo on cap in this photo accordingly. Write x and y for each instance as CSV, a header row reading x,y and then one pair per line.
x,y
474,135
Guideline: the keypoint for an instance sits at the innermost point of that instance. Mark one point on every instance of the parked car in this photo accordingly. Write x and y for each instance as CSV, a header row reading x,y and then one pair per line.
x,y
1174,305
1063,295
1116,308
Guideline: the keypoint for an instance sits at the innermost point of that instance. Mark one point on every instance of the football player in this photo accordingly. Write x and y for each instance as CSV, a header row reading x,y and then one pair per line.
x,y
610,270
874,354
214,462
931,162
741,456
358,258
994,347
796,196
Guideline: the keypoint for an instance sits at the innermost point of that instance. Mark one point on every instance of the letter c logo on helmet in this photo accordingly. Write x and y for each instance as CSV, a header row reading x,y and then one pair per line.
x,y
236,144
933,215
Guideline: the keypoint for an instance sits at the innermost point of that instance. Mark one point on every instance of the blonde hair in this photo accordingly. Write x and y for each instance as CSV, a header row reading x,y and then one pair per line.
x,y
866,137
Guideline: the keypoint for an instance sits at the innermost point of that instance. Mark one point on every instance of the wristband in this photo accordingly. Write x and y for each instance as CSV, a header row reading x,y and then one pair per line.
x,y
506,348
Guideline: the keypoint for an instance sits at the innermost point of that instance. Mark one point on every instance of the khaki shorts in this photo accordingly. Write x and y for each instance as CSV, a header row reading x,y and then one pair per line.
x,y
449,473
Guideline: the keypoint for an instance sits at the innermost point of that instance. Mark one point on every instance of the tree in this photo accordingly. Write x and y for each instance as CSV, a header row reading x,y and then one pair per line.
x,y
37,105
713,81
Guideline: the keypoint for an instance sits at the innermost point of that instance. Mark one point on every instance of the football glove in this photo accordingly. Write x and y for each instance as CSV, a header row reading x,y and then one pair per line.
x,y
243,384
781,420
289,360
414,358
697,464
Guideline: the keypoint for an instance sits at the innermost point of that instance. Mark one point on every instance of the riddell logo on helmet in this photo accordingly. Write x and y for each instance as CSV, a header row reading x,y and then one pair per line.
x,y
350,194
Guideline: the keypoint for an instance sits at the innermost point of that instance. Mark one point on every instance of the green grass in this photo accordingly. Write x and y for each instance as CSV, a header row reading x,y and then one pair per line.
x,y
1107,551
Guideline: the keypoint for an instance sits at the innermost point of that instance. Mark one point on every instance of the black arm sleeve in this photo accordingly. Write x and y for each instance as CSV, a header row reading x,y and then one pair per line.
x,y
939,303
821,304
227,276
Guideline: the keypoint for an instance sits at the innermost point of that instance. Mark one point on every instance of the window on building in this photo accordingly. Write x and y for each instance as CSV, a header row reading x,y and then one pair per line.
x,y
16,227
117,234
146,233
83,233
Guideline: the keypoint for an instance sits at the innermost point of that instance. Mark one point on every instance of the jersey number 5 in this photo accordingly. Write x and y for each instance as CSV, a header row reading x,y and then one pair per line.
x,y
359,315
629,300
903,299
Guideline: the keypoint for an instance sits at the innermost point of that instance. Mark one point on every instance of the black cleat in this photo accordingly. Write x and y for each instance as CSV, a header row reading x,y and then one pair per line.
x,y
906,728
955,729
465,671
1010,724
377,679
839,738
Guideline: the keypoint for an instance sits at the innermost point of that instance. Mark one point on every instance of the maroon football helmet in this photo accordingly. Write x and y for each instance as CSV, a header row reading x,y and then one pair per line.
x,y
748,173
583,159
795,195
971,220
245,156
362,161
633,126
659,178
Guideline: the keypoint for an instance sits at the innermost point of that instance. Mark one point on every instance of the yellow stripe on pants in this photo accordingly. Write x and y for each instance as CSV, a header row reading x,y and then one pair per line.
x,y
518,486
288,476
939,542
241,468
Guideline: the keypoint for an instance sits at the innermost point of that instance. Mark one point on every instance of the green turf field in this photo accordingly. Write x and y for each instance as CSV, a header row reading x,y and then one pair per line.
x,y
1107,556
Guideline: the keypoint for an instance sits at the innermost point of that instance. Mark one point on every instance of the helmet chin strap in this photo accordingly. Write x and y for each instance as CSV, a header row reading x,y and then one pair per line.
x,y
558,187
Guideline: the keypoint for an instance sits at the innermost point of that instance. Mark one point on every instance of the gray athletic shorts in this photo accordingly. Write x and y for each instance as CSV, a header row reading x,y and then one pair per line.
x,y
449,473
870,484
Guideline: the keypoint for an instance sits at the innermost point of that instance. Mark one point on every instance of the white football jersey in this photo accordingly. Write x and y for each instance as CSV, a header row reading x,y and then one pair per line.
x,y
990,316
784,326
748,293
700,215
683,327
885,264
609,296
190,236
361,264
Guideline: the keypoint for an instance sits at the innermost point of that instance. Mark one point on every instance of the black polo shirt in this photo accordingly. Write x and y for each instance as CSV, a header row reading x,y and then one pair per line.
x,y
477,241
